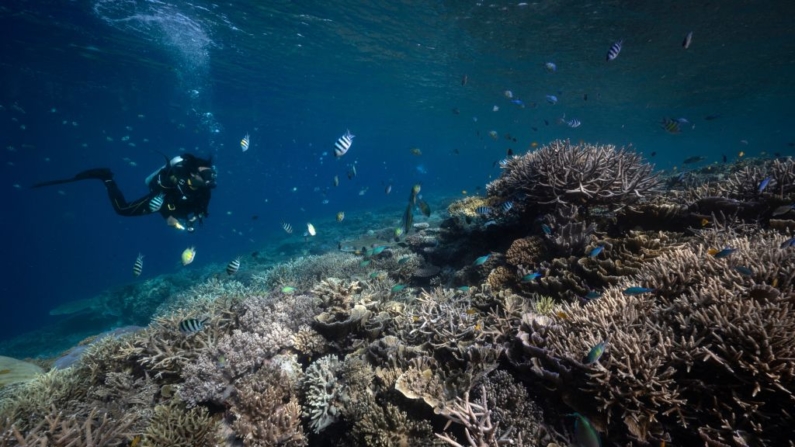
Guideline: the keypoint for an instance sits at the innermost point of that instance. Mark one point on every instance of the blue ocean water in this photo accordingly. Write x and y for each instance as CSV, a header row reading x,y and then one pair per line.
x,y
115,84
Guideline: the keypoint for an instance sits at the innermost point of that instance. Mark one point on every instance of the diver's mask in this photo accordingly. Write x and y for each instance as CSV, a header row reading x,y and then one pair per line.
x,y
204,178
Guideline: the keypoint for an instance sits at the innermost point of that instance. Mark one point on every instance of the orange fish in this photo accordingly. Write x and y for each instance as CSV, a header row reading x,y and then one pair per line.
x,y
712,251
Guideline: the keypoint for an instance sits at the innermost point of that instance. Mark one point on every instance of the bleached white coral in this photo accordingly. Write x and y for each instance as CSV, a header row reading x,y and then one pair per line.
x,y
322,389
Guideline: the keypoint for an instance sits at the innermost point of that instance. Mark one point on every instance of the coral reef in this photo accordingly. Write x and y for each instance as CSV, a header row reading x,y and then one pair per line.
x,y
565,173
710,349
603,294
267,411
56,430
173,425
323,391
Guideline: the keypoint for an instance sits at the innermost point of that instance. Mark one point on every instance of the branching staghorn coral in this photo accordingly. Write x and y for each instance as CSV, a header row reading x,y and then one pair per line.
x,y
711,351
479,429
26,403
267,326
172,425
443,320
96,429
304,272
566,173
387,426
267,411
512,406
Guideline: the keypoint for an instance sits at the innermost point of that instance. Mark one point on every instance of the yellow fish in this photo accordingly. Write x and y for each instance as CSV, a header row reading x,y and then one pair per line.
x,y
534,144
340,216
464,191
188,255
310,229
244,143
704,222
740,155
712,251
416,151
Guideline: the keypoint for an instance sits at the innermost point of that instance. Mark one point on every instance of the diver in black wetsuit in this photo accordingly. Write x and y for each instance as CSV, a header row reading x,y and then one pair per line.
x,y
180,191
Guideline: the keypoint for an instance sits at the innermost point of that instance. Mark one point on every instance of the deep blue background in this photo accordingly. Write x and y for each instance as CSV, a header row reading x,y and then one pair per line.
x,y
296,75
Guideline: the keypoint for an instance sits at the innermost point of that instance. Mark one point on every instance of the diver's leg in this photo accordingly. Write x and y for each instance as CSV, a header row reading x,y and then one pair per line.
x,y
136,208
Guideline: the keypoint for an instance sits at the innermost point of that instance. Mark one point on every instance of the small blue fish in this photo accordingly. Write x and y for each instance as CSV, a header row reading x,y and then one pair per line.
x,y
637,290
545,228
595,252
518,102
724,253
592,295
596,353
612,53
552,99
531,276
764,184
788,243
584,432
551,67
481,260
463,289
397,288
744,270
378,250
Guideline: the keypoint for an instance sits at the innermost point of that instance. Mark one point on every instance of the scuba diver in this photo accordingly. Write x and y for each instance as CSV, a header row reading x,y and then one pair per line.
x,y
180,190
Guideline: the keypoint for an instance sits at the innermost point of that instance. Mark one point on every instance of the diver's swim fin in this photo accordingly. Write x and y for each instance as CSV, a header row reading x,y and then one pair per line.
x,y
103,174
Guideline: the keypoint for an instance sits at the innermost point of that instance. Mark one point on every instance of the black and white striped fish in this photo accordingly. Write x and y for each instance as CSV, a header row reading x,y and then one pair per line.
x,y
138,267
244,143
233,266
191,325
483,210
507,206
343,144
156,202
575,123
612,53
287,227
